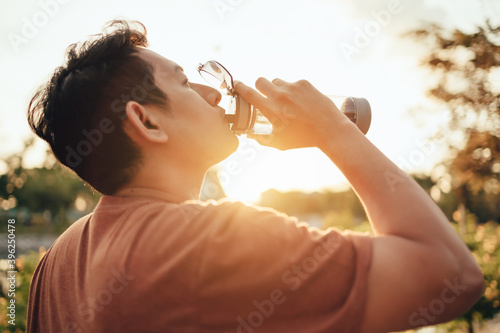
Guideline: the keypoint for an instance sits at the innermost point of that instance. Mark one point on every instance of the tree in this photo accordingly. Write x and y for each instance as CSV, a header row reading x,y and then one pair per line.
x,y
484,242
467,67
49,191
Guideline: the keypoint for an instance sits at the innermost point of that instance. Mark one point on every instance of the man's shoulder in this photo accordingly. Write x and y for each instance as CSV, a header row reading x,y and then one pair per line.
x,y
227,208
131,212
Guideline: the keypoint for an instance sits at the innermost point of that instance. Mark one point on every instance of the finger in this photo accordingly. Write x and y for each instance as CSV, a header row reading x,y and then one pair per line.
x,y
266,87
280,82
255,98
250,95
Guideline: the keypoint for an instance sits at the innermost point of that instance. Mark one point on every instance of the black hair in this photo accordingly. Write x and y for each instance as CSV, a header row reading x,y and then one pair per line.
x,y
80,110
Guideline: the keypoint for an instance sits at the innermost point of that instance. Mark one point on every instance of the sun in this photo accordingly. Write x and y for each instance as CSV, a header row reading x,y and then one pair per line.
x,y
253,169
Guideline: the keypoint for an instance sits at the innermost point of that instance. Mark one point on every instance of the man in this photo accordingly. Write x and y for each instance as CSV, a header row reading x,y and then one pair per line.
x,y
151,258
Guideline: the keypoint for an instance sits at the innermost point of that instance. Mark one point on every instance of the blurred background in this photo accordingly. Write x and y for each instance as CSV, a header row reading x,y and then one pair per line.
x,y
429,68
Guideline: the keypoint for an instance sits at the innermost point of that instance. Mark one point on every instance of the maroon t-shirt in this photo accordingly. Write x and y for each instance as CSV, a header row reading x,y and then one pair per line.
x,y
145,265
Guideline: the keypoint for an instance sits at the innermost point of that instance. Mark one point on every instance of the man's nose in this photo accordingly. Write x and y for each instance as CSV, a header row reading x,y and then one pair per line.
x,y
211,95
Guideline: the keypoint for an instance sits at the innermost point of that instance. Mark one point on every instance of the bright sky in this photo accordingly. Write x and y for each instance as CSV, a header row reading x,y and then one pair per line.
x,y
293,39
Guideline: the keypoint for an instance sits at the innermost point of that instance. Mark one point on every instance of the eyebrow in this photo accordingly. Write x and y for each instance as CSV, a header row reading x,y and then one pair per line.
x,y
179,68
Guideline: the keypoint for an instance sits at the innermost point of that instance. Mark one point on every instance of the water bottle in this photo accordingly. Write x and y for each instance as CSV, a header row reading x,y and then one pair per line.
x,y
247,119
244,118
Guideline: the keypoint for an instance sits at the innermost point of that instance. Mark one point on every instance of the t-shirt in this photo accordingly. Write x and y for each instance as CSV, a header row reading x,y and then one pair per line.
x,y
146,265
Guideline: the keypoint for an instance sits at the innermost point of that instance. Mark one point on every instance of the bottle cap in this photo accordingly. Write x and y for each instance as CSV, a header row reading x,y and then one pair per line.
x,y
364,114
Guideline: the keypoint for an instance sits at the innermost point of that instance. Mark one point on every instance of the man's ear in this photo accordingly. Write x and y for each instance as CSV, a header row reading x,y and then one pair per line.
x,y
144,123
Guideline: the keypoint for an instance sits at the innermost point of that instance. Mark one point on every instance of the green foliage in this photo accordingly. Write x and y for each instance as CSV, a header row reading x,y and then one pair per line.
x,y
298,203
485,205
345,220
41,189
40,199
25,266
484,242
466,65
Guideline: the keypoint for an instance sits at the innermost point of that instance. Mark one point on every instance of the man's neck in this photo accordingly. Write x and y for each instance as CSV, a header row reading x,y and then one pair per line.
x,y
171,184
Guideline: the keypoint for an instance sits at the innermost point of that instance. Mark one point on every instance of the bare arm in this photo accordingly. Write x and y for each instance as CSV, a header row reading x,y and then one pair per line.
x,y
418,258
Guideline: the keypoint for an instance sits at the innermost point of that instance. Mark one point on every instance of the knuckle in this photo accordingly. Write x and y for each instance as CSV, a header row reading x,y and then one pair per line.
x,y
277,81
303,83
281,95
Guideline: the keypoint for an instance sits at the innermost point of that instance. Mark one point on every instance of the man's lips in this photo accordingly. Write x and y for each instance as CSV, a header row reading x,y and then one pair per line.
x,y
222,112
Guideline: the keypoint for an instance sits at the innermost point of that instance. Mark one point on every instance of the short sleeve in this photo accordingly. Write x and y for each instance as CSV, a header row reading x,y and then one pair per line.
x,y
262,271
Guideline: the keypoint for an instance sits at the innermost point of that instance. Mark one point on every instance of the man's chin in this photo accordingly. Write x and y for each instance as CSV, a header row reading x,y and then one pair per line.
x,y
232,146
225,150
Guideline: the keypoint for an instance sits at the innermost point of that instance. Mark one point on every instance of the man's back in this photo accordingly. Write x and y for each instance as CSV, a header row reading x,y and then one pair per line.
x,y
141,265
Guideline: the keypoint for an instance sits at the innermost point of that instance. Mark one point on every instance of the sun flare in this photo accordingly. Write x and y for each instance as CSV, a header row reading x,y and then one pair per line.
x,y
253,169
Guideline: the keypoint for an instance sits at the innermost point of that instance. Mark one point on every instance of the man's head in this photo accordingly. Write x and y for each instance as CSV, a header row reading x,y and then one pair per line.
x,y
116,105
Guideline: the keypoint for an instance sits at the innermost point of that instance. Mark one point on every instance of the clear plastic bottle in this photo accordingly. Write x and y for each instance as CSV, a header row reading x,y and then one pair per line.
x,y
250,120
244,118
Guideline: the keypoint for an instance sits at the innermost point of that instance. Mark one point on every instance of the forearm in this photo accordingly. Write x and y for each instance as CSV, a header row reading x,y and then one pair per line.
x,y
394,202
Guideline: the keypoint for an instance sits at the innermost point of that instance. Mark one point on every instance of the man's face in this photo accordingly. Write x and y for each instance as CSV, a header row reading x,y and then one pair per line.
x,y
196,126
